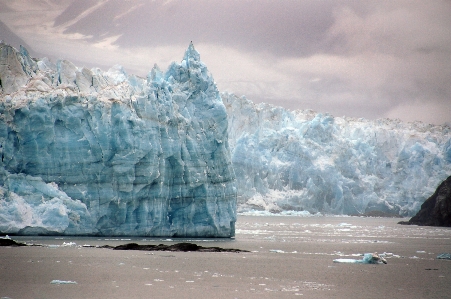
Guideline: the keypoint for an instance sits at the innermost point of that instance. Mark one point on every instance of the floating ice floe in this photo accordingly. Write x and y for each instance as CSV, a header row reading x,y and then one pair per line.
x,y
276,251
368,258
444,256
57,281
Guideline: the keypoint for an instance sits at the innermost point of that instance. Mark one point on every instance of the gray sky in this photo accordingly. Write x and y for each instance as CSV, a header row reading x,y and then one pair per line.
x,y
369,59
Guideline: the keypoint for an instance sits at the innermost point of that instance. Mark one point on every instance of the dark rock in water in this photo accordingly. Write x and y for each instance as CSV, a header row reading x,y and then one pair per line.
x,y
176,247
9,242
436,210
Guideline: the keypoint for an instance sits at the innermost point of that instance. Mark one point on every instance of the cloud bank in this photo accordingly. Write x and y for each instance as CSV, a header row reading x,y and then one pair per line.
x,y
361,59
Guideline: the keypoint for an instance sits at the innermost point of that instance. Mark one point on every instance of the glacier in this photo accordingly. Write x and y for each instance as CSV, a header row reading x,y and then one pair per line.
x,y
92,152
297,162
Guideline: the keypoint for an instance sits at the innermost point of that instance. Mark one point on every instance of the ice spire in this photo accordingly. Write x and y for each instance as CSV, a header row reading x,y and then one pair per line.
x,y
191,55
155,75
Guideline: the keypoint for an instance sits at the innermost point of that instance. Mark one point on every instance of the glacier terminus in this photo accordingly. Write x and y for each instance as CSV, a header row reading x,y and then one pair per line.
x,y
92,152
88,152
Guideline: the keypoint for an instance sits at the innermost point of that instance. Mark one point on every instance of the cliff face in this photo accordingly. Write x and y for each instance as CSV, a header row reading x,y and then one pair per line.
x,y
436,210
88,152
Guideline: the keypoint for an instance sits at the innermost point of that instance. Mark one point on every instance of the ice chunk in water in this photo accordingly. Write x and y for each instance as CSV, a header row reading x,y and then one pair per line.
x,y
57,281
368,258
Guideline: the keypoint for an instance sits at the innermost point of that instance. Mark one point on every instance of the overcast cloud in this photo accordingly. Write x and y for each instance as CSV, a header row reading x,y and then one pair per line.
x,y
369,59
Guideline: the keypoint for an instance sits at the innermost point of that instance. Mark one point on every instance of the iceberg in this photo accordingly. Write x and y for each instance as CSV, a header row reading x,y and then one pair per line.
x,y
88,152
368,258
444,256
304,161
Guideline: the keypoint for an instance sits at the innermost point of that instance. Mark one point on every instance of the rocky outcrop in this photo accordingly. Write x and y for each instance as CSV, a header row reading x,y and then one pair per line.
x,y
436,210
185,247
11,243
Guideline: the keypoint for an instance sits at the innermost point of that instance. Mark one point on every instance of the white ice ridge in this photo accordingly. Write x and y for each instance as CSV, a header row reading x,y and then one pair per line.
x,y
306,161
87,152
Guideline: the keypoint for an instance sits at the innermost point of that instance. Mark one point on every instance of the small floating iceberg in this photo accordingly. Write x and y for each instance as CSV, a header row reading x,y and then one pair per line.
x,y
444,256
368,258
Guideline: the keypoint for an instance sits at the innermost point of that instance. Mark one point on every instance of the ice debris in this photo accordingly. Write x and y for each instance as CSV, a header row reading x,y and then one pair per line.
x,y
56,281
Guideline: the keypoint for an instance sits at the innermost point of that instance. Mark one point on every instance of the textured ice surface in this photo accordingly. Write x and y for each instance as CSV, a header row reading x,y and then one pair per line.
x,y
304,161
92,152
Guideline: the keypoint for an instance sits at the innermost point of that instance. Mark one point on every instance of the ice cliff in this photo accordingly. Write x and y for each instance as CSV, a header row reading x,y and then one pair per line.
x,y
87,152
306,161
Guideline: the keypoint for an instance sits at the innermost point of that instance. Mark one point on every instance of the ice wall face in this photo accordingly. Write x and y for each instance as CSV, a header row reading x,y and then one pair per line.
x,y
301,160
103,153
